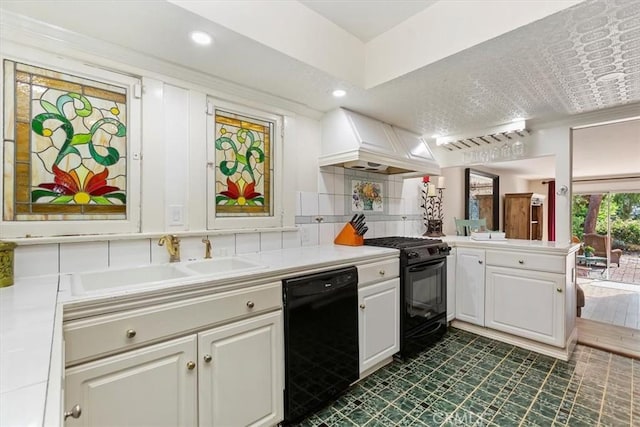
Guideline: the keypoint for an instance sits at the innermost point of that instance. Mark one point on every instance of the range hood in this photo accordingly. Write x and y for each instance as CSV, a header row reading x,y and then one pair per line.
x,y
354,141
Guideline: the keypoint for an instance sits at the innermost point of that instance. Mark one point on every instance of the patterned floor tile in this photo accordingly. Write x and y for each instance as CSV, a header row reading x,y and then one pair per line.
x,y
466,380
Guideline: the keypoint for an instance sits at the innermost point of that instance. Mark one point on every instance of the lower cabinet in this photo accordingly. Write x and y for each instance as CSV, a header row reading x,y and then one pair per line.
x,y
378,322
231,375
154,386
451,285
240,373
526,303
470,285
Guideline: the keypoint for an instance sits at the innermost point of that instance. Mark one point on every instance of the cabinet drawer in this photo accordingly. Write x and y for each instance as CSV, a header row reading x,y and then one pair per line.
x,y
527,261
378,271
101,335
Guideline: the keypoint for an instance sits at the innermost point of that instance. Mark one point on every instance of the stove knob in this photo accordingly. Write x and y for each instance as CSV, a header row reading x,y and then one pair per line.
x,y
413,255
444,249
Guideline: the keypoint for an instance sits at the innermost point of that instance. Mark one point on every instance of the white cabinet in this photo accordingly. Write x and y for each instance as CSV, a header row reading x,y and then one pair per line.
x,y
241,373
529,304
226,371
231,375
155,385
470,285
451,285
378,322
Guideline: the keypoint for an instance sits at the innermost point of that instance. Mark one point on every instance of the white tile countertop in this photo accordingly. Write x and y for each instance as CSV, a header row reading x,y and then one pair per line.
x,y
517,244
31,326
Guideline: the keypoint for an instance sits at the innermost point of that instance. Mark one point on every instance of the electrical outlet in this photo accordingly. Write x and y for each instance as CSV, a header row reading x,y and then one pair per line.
x,y
305,235
176,213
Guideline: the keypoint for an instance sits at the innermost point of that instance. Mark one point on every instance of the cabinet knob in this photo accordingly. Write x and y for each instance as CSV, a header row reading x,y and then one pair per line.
x,y
250,304
559,290
75,412
520,261
362,306
131,333
191,365
207,358
479,261
381,272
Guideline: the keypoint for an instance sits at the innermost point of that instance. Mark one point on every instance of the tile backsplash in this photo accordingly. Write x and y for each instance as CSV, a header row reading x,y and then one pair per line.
x,y
52,258
320,216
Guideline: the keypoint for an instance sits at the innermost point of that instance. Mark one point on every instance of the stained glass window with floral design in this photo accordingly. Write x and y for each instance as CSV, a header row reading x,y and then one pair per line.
x,y
65,146
243,165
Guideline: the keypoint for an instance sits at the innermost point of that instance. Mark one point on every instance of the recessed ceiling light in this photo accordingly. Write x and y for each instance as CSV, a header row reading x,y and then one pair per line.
x,y
610,76
201,38
339,93
517,119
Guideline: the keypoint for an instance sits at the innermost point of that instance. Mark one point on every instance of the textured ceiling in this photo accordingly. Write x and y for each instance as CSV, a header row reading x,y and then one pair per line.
x,y
549,69
544,70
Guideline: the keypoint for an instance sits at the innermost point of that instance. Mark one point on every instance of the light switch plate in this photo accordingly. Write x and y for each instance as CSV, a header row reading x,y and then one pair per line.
x,y
176,215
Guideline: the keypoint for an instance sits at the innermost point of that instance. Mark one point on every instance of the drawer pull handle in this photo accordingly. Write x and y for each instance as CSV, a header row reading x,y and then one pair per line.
x,y
75,412
191,365
207,358
381,272
362,306
250,304
559,290
521,261
131,333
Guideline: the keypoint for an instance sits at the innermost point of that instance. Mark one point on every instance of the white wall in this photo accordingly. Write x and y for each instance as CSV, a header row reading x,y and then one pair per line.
x,y
173,188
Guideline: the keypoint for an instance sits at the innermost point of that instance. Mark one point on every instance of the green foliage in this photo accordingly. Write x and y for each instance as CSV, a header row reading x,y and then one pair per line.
x,y
625,223
626,231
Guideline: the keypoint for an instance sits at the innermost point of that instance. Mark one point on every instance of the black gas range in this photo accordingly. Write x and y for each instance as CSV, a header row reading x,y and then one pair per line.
x,y
423,290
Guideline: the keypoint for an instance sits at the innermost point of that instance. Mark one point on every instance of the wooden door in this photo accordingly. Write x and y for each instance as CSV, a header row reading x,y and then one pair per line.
x,y
517,215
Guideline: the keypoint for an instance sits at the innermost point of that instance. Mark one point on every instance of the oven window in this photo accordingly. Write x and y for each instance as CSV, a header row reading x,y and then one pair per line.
x,y
426,287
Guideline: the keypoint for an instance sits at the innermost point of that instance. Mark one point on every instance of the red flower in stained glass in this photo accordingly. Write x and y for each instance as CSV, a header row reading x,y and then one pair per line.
x,y
241,192
92,188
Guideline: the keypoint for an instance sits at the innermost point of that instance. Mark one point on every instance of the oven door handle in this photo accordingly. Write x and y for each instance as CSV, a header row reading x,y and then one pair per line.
x,y
426,267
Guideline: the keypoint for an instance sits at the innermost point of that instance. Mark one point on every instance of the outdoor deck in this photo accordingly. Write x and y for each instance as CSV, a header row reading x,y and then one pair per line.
x,y
615,301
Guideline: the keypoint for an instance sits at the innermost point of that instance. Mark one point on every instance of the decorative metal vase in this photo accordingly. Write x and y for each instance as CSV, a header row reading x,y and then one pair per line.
x,y
6,263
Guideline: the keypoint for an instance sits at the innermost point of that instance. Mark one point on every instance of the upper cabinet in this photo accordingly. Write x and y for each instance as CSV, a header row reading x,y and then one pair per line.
x,y
354,141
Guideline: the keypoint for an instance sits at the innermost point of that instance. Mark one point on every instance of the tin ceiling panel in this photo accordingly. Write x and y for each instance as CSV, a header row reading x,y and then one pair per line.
x,y
582,59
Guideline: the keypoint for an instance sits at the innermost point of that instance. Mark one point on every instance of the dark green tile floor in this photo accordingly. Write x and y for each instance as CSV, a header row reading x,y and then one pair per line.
x,y
468,380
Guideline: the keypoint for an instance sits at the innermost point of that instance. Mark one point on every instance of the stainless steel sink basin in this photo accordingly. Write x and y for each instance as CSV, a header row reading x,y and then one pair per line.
x,y
125,278
218,266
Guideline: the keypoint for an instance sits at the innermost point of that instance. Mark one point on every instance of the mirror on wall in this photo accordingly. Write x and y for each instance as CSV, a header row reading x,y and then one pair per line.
x,y
482,197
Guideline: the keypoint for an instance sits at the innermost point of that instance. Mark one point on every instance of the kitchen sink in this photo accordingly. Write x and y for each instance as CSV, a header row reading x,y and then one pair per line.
x,y
125,278
216,266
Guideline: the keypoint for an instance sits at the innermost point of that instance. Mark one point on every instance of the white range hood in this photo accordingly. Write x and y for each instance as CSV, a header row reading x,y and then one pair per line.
x,y
354,141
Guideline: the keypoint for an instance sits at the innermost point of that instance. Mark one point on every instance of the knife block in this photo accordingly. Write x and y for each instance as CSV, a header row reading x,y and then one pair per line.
x,y
348,237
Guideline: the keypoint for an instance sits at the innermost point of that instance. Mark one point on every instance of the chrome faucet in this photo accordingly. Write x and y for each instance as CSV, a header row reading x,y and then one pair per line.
x,y
173,246
207,248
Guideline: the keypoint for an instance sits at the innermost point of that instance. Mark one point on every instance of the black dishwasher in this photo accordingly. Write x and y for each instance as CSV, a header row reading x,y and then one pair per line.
x,y
320,339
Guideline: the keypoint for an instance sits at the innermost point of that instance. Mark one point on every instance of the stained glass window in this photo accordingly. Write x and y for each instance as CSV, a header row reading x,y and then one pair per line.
x,y
243,165
65,146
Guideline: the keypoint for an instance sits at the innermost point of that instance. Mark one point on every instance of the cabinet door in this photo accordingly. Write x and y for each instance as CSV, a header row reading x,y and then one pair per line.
x,y
529,304
241,373
378,322
451,285
470,285
152,386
